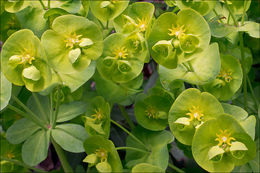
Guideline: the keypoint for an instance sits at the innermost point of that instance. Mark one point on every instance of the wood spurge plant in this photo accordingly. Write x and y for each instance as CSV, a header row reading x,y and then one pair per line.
x,y
129,86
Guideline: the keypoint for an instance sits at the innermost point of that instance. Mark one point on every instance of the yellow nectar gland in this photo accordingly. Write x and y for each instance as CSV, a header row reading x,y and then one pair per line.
x,y
72,39
27,58
98,115
151,113
177,31
102,154
120,53
195,113
224,138
142,24
225,75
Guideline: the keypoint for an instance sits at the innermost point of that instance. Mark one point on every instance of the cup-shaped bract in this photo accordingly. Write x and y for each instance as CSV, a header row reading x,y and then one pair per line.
x,y
102,154
23,61
175,38
201,6
151,111
72,43
229,79
203,68
97,117
15,6
123,57
106,10
220,144
189,111
118,93
136,18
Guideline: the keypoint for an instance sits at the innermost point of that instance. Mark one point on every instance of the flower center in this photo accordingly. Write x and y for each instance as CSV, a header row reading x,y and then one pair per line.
x,y
151,113
10,155
120,53
98,115
102,154
72,39
177,31
225,75
224,139
195,113
142,24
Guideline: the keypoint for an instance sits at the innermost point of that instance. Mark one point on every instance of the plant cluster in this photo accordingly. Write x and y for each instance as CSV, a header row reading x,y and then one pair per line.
x,y
182,73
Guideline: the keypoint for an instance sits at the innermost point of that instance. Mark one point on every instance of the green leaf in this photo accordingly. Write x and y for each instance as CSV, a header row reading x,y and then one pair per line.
x,y
146,167
239,113
77,79
5,92
70,137
21,130
251,28
106,10
71,110
156,143
205,67
118,93
203,7
35,148
36,22
15,6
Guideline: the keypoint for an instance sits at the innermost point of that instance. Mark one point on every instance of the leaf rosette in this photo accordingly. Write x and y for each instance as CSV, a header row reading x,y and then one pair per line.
x,y
72,43
108,9
220,144
151,111
136,18
24,62
102,154
97,117
175,38
189,111
228,80
123,57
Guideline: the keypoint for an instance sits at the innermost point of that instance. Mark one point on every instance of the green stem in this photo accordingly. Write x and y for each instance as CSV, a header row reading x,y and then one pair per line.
x,y
253,93
64,162
43,6
32,116
125,114
131,148
107,24
37,101
17,162
129,133
231,13
241,41
49,4
101,24
56,108
243,69
175,168
175,9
